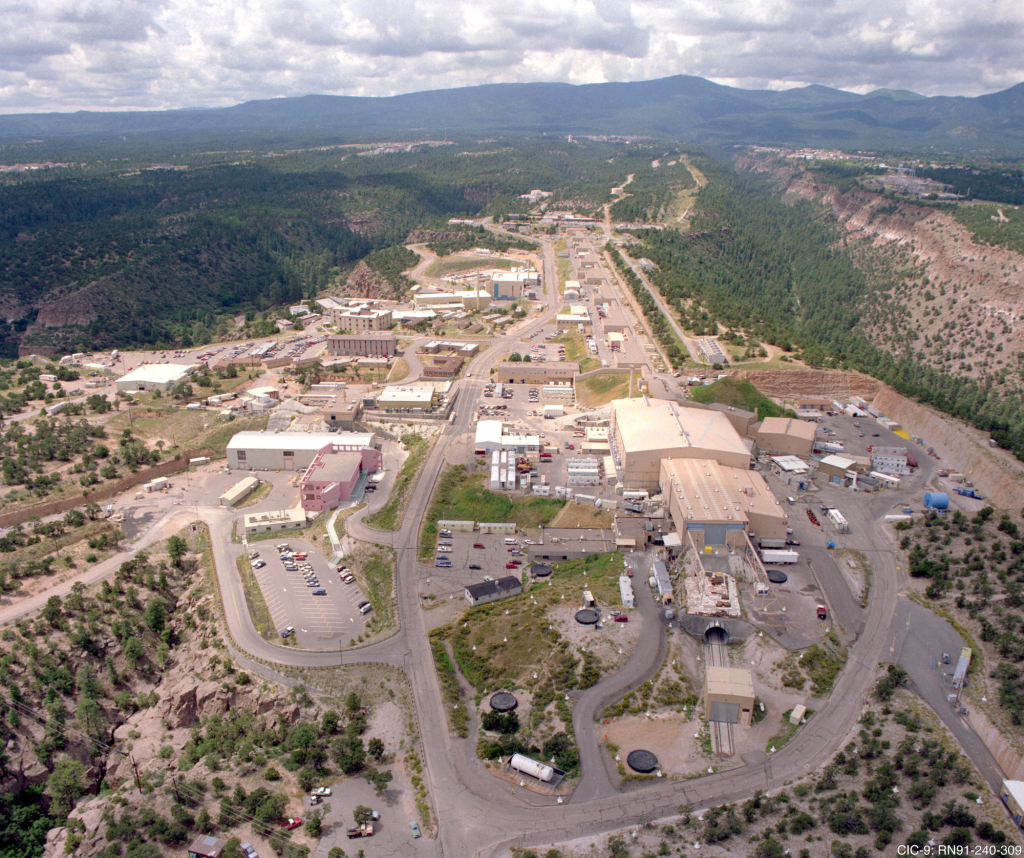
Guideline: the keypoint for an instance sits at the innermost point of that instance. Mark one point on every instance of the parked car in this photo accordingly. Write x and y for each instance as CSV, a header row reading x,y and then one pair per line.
x,y
348,578
248,851
320,791
511,565
475,566
292,823
479,545
415,829
259,564
365,607
822,613
288,632
792,542
621,618
320,592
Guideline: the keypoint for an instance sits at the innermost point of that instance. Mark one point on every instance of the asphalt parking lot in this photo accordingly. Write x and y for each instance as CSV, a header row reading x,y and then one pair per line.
x,y
321,622
445,581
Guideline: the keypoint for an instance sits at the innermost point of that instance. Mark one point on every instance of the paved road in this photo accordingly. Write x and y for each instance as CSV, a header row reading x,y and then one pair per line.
x,y
478,815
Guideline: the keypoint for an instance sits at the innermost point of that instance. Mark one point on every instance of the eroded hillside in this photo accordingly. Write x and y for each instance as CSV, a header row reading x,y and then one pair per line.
x,y
943,298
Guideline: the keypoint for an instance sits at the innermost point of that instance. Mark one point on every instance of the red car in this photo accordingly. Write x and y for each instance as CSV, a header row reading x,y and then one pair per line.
x,y
479,545
621,618
822,613
512,565
291,824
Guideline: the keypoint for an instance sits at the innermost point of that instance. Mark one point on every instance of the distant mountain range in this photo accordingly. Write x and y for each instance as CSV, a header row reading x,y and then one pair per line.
x,y
679,108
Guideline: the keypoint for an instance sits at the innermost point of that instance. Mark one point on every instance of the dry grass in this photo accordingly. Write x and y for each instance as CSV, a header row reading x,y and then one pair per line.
x,y
582,515
399,370
603,388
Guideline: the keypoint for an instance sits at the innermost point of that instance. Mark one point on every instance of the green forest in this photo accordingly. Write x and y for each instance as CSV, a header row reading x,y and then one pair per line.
x,y
780,272
108,255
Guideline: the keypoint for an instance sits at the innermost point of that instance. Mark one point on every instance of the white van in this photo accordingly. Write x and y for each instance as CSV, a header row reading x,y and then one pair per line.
x,y
791,501
509,540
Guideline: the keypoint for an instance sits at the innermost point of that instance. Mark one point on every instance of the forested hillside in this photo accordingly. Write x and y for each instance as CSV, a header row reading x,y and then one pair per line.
x,y
781,272
98,257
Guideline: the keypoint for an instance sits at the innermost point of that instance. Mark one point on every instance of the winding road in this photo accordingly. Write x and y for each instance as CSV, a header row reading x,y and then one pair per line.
x,y
477,817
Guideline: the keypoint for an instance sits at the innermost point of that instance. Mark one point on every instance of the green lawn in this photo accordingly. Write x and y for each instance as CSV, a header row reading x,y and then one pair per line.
x,y
462,497
603,388
389,516
739,394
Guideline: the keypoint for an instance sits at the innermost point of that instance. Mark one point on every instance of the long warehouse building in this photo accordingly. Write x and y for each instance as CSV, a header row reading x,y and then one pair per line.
x,y
644,431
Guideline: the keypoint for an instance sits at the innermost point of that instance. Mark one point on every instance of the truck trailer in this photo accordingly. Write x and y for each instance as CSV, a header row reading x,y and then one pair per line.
x,y
782,558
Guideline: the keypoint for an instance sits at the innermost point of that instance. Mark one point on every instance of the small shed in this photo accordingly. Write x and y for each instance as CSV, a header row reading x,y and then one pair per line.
x,y
205,846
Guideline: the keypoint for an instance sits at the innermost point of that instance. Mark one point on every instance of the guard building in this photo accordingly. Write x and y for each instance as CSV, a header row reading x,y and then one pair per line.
x,y
729,695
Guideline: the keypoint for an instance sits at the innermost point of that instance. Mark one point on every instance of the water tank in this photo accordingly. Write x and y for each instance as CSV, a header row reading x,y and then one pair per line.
x,y
532,768
936,500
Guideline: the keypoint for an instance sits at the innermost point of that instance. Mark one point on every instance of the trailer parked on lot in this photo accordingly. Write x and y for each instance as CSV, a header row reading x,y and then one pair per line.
x,y
769,556
773,543
837,520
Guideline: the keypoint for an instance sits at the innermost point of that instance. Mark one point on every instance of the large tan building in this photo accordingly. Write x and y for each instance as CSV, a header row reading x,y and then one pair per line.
x,y
729,695
718,505
530,372
783,436
365,344
645,431
361,319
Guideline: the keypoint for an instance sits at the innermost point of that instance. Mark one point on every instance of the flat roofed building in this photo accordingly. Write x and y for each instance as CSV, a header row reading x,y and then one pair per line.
x,y
1012,793
491,436
531,372
718,505
157,376
289,451
729,695
645,431
333,475
407,397
361,319
784,436
615,319
376,343
278,519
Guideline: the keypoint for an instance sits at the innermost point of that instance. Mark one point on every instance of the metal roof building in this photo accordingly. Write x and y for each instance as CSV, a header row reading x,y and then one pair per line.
x,y
645,431
157,376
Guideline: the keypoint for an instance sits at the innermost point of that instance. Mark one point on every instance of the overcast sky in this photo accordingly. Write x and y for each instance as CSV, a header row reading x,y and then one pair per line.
x,y
115,54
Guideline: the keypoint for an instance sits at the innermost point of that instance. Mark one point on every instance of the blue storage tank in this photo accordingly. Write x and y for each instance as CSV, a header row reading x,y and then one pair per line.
x,y
936,500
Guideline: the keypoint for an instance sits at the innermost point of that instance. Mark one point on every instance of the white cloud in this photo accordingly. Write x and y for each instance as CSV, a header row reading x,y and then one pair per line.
x,y
112,54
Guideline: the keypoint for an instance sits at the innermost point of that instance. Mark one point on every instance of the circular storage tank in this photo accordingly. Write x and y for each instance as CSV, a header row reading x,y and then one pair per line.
x,y
587,617
503,702
538,570
532,768
777,576
936,500
642,761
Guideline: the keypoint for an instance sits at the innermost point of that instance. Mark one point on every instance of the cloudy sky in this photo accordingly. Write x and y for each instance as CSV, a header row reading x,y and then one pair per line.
x,y
116,54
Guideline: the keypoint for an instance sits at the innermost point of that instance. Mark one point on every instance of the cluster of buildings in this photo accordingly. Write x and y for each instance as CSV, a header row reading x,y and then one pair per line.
x,y
332,465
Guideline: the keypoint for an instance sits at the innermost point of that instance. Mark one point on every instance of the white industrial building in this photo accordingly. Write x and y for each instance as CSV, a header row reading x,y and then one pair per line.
x,y
583,471
290,451
645,431
563,393
890,460
491,436
157,376
278,519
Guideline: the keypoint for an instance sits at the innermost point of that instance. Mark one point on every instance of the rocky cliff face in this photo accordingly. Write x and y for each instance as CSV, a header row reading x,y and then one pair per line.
x,y
364,282
943,298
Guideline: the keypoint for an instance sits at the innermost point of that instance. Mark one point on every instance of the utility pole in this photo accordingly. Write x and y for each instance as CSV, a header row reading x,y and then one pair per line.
x,y
174,781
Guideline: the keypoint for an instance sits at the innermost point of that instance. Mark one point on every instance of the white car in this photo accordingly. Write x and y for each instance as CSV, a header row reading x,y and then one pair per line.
x,y
320,791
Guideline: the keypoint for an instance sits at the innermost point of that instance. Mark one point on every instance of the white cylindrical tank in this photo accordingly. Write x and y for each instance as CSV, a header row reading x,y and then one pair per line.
x,y
532,768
